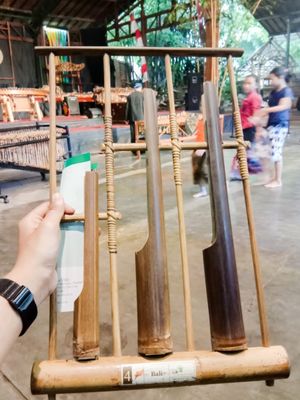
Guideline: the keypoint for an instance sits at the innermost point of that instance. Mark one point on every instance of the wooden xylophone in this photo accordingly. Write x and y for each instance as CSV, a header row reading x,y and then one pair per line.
x,y
27,148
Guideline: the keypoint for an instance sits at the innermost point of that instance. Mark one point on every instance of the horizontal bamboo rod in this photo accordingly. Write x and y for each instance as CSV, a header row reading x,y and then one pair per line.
x,y
198,367
232,144
139,51
80,217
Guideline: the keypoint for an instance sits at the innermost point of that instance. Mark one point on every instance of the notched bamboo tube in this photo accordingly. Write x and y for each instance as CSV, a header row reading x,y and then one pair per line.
x,y
257,363
152,285
86,311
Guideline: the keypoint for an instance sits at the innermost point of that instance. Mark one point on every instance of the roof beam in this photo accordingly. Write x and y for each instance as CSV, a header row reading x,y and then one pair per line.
x,y
44,8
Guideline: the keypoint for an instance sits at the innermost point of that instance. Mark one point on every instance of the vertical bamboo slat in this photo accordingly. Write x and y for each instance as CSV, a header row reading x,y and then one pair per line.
x,y
53,188
242,156
86,312
111,220
176,154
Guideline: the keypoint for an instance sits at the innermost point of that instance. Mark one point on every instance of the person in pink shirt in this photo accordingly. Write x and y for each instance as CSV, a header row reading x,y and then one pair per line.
x,y
250,105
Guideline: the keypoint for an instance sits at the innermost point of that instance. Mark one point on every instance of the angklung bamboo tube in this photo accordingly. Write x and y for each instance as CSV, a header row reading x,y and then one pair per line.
x,y
224,304
153,305
86,311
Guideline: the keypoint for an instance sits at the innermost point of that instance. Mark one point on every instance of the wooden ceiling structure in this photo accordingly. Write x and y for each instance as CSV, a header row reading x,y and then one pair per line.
x,y
278,17
68,14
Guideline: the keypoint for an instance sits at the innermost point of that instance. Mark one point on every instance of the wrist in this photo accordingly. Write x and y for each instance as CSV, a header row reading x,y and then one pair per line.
x,y
21,300
27,279
14,318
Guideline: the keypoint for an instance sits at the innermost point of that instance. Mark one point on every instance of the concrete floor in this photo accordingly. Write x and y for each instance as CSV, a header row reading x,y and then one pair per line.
x,y
277,222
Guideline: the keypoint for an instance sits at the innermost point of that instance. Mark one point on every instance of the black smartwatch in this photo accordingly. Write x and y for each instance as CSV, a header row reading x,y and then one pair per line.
x,y
21,300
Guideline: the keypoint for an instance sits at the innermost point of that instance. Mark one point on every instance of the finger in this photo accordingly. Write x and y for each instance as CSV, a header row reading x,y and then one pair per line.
x,y
56,210
69,210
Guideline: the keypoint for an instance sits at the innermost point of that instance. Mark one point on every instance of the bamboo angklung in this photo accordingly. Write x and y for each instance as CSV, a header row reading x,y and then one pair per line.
x,y
225,311
153,304
86,311
200,367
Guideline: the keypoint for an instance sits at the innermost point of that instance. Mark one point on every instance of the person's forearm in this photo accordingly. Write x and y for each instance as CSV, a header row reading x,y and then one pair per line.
x,y
10,328
280,107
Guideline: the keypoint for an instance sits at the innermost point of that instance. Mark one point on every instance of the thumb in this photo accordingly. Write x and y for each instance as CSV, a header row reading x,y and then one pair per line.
x,y
56,209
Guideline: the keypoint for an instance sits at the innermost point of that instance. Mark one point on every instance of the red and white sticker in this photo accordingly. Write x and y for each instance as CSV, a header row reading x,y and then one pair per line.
x,y
158,373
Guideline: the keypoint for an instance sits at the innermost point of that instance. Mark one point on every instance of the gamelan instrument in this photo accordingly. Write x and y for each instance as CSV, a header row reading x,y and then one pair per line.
x,y
157,362
22,100
27,147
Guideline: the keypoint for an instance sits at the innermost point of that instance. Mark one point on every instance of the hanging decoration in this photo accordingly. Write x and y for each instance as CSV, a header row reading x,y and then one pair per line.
x,y
139,43
59,37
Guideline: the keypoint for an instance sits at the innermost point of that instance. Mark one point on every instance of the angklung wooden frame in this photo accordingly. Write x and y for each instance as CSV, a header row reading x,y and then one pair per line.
x,y
55,376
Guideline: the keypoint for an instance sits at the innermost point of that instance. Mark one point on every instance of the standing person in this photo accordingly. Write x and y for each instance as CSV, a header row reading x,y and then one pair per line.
x,y
135,108
280,103
199,163
250,105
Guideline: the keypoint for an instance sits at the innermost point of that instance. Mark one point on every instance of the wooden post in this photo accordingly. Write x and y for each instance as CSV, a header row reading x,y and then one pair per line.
x,y
212,11
86,312
143,23
11,54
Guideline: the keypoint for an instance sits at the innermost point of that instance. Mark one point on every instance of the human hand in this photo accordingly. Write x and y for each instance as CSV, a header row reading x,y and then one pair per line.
x,y
39,236
259,119
262,112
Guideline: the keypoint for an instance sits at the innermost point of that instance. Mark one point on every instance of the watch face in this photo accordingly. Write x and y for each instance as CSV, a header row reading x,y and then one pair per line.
x,y
1,56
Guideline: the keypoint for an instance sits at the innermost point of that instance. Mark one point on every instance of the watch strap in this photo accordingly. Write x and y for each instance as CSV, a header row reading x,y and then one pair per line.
x,y
21,300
